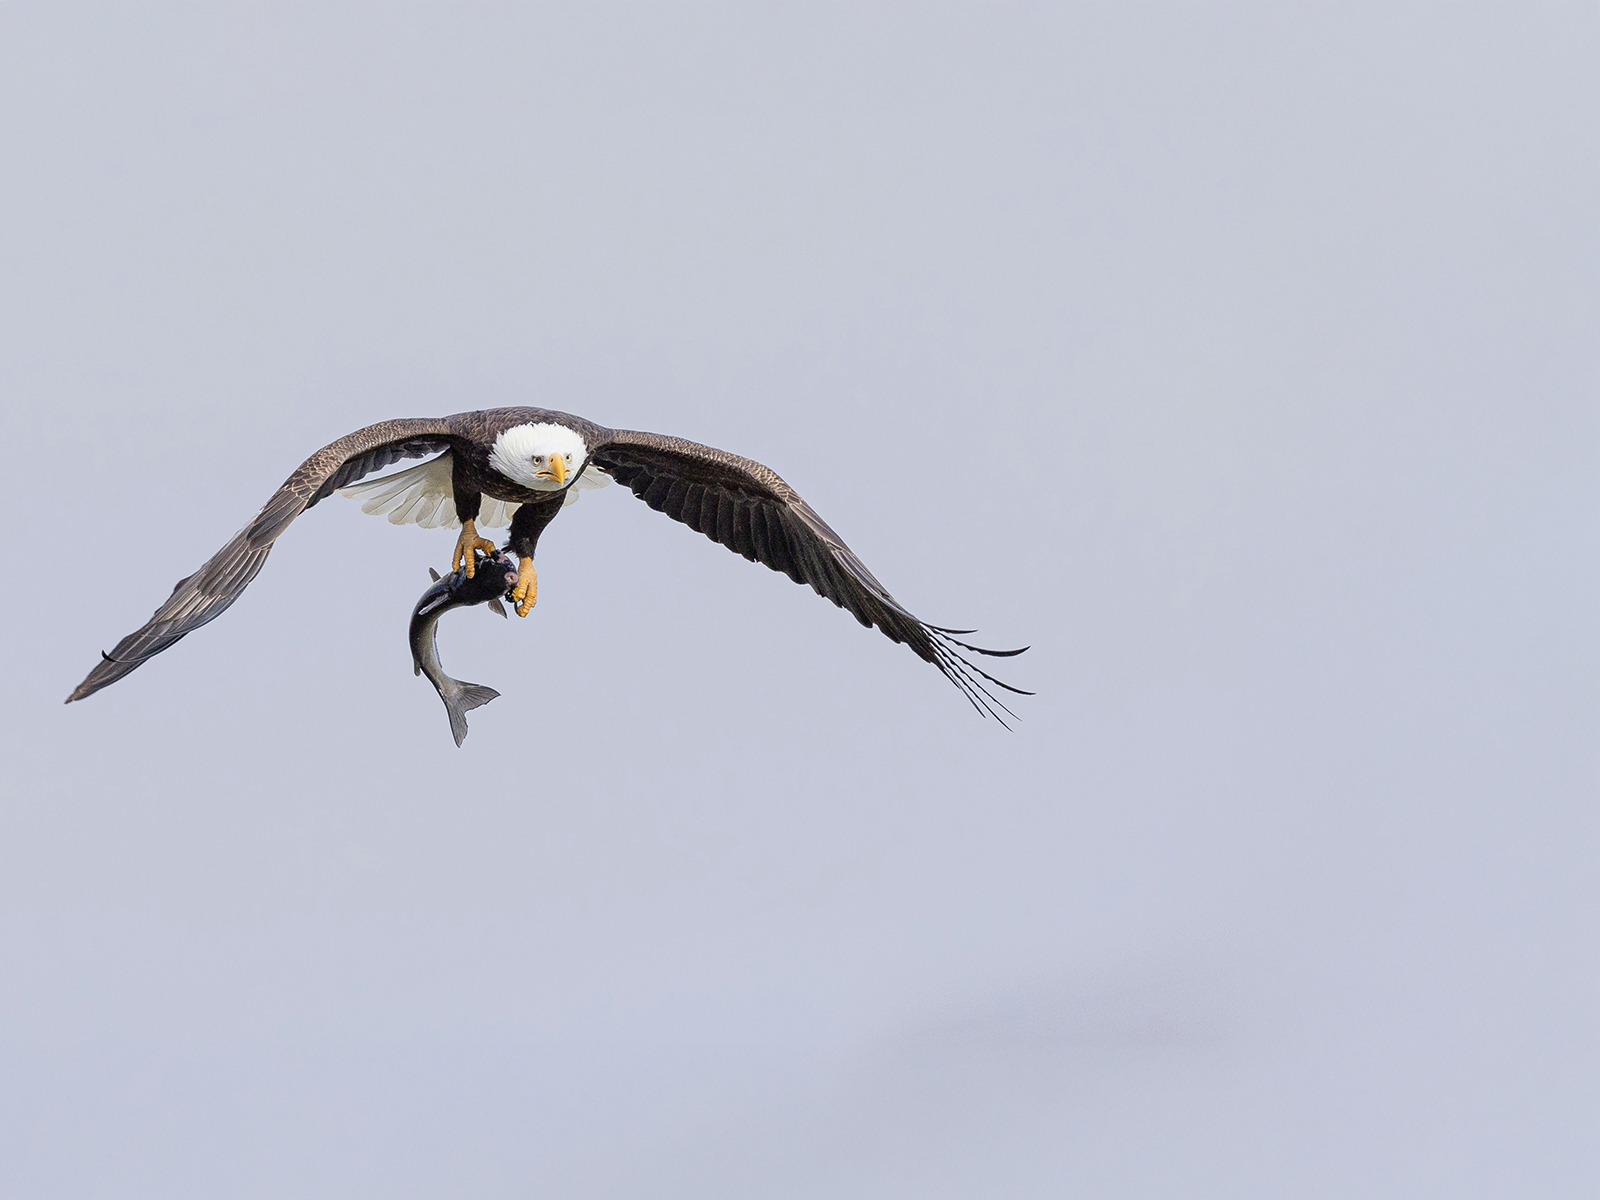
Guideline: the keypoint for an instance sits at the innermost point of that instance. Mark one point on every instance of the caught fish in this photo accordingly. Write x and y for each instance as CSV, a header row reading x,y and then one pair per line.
x,y
494,575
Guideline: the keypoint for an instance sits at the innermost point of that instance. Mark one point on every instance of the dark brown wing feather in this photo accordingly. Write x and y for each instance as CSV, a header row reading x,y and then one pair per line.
x,y
204,595
746,507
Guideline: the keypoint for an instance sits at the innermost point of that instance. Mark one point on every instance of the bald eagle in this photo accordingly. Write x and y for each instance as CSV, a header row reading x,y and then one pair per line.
x,y
519,467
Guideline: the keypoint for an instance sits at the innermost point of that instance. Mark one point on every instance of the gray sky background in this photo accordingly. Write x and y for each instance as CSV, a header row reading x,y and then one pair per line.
x,y
1241,359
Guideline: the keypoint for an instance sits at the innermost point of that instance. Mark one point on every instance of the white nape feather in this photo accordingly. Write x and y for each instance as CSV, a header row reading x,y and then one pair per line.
x,y
423,495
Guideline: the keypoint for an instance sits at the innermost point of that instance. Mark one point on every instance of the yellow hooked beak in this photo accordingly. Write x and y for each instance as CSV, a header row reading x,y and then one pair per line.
x,y
557,470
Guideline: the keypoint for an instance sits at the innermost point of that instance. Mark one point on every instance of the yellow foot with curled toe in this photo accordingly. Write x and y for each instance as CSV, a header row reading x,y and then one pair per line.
x,y
466,544
526,593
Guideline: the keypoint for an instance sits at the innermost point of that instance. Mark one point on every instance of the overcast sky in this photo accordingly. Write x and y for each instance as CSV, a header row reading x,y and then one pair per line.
x,y
1240,359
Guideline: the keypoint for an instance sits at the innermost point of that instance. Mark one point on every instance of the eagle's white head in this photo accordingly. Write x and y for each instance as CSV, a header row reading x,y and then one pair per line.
x,y
542,456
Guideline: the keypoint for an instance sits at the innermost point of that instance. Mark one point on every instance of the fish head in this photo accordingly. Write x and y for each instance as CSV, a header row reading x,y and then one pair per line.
x,y
493,575
508,570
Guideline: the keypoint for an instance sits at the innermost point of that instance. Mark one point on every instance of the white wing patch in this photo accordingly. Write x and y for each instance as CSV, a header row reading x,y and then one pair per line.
x,y
419,495
423,495
592,478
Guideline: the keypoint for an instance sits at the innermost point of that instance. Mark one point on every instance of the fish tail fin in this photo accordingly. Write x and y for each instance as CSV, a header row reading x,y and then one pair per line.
x,y
475,695
466,698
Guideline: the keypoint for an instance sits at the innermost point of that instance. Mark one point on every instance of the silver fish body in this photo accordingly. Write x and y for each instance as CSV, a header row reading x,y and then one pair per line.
x,y
494,575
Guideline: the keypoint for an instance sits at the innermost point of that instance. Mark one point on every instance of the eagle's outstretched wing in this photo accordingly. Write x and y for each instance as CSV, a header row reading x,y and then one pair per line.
x,y
204,595
749,509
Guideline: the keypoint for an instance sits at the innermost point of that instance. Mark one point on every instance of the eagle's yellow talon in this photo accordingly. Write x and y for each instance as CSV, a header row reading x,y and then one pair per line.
x,y
526,593
465,545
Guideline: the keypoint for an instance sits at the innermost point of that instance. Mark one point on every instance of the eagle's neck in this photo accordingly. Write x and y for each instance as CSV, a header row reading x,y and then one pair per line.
x,y
514,449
